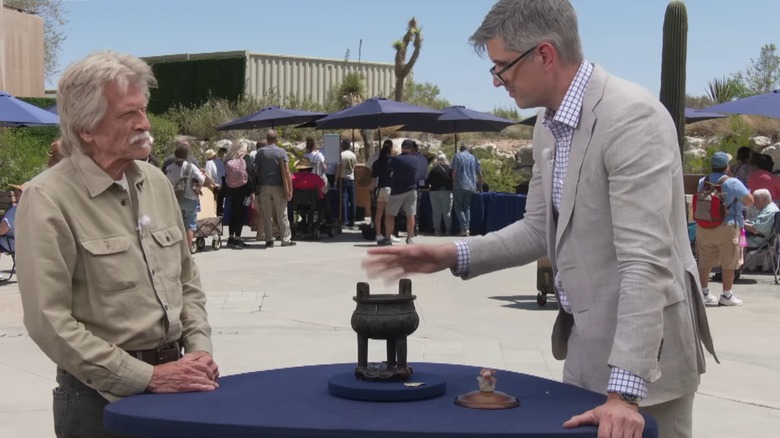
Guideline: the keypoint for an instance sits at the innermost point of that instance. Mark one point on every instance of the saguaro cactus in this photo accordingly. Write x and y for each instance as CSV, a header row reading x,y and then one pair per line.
x,y
673,61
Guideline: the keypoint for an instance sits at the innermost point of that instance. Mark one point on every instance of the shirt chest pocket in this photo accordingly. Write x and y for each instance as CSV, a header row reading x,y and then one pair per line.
x,y
169,244
109,263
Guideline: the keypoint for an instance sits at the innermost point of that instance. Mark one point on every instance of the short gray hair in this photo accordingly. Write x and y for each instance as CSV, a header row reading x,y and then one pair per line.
x,y
522,23
764,194
81,99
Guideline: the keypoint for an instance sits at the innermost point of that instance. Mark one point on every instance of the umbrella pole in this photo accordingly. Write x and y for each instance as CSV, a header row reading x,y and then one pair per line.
x,y
456,142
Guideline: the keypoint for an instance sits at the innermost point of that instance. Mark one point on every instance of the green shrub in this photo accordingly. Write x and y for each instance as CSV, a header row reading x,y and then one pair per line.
x,y
499,176
164,132
739,136
23,153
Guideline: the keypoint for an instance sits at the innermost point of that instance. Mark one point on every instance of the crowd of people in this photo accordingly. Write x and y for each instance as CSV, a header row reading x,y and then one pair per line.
x,y
112,295
750,194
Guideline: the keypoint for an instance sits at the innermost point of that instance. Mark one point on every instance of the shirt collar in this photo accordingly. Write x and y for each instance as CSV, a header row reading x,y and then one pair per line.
x,y
571,106
97,180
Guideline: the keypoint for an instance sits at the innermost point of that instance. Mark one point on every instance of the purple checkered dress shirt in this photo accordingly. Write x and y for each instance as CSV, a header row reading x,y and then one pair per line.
x,y
562,124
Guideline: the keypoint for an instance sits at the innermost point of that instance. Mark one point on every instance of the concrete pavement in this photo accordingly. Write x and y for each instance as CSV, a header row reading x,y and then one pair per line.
x,y
282,307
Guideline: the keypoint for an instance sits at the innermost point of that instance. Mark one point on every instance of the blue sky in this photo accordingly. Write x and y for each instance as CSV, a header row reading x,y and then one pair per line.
x,y
623,36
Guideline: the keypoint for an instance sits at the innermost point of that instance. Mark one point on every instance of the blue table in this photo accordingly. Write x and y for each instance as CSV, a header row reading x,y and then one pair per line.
x,y
294,402
489,212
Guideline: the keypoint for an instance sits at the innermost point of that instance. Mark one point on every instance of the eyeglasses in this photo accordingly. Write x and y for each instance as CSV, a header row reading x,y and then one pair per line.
x,y
497,74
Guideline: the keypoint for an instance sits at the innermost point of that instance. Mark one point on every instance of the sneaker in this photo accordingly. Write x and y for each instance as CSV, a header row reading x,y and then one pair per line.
x,y
384,242
409,241
380,239
730,301
238,243
269,244
394,239
710,299
289,243
464,233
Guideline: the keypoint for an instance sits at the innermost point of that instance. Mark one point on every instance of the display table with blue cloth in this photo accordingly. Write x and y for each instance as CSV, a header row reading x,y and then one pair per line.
x,y
489,212
294,402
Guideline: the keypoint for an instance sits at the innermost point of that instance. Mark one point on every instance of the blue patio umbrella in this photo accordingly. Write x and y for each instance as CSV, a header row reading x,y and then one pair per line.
x,y
271,117
694,115
53,109
767,105
375,113
15,113
457,119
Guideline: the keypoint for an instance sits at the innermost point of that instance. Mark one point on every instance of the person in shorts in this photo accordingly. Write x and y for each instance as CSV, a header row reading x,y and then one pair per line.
x,y
722,242
182,168
403,192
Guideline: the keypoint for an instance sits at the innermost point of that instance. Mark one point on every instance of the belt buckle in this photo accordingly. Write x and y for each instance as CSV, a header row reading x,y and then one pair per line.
x,y
165,353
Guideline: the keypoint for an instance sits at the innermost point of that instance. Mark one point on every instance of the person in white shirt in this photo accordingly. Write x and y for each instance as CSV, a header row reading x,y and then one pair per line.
x,y
316,158
194,179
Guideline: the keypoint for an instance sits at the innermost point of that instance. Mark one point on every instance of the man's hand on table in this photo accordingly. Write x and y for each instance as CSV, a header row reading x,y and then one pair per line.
x,y
195,371
615,418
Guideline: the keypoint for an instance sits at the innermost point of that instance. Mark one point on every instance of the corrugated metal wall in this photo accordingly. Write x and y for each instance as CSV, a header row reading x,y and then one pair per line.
x,y
22,54
312,77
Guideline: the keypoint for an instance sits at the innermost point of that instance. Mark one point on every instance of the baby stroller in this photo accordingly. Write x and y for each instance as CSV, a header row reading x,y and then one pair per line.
x,y
312,218
208,224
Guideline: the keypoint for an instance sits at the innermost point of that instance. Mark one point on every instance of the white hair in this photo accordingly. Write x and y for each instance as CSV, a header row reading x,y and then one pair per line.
x,y
523,23
81,99
441,159
763,194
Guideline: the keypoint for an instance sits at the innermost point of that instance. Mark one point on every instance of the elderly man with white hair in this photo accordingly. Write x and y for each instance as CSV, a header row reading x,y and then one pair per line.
x,y
760,218
110,291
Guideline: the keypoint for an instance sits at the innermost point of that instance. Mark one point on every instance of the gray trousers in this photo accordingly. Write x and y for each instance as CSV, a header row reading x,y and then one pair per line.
x,y
674,418
78,409
441,206
273,200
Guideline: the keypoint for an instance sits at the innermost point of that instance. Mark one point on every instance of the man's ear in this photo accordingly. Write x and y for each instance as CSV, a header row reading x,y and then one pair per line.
x,y
86,136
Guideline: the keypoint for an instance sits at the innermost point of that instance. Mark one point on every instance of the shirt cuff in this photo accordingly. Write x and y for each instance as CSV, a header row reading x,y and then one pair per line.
x,y
626,382
463,259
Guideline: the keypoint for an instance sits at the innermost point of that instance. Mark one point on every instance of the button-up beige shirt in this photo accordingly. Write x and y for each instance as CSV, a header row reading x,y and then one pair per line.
x,y
102,270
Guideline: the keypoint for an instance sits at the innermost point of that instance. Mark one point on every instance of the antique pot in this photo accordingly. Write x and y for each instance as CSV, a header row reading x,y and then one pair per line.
x,y
391,317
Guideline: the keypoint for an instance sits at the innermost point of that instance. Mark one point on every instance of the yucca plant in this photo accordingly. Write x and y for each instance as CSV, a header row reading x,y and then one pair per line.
x,y
403,67
722,90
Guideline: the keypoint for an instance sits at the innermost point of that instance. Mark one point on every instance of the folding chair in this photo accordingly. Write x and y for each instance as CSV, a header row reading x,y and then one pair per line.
x,y
770,247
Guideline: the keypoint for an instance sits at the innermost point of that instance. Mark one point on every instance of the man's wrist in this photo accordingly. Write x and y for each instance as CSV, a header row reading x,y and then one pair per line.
x,y
629,399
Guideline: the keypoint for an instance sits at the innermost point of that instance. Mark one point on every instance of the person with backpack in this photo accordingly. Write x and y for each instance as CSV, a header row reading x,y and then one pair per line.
x,y
717,210
239,180
187,182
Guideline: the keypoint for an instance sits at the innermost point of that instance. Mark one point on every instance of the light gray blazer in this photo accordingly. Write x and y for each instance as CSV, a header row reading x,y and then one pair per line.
x,y
620,245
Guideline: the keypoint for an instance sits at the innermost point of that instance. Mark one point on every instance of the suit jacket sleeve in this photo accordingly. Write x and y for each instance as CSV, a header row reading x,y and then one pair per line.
x,y
640,157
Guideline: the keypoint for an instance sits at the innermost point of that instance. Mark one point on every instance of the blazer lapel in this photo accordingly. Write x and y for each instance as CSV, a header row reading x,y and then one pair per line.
x,y
579,147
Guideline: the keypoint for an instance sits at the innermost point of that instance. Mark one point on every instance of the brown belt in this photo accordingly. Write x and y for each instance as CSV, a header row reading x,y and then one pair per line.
x,y
157,356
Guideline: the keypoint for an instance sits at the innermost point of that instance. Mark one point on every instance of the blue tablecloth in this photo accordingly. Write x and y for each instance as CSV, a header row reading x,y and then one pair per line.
x,y
502,210
489,212
295,403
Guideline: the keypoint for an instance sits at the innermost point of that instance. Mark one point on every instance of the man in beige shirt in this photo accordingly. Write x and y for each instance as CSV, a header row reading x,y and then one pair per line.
x,y
348,163
109,289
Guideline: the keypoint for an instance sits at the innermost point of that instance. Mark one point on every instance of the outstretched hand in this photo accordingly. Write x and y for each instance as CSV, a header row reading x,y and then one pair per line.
x,y
194,372
615,419
394,262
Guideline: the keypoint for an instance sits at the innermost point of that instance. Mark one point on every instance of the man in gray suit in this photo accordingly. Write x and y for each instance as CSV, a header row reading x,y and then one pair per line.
x,y
606,205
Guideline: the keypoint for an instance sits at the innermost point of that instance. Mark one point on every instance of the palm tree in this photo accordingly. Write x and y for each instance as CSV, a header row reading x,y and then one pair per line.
x,y
351,92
